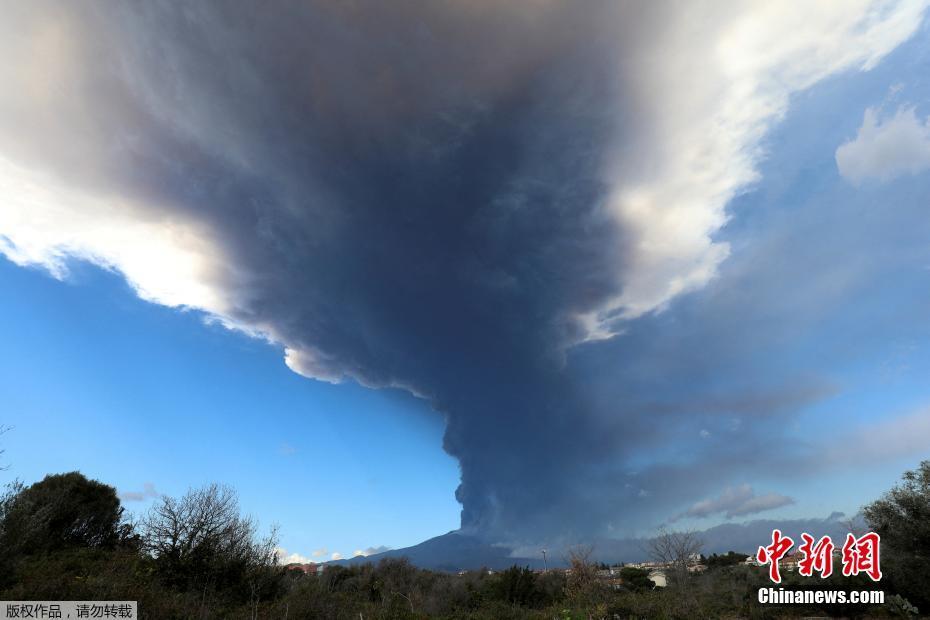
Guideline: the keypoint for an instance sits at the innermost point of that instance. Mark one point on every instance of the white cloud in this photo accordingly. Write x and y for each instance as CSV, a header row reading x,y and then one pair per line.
x,y
285,557
309,362
370,551
886,149
148,492
317,555
736,502
169,262
760,503
710,87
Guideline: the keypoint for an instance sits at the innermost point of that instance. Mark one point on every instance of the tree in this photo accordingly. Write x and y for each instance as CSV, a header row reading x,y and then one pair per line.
x,y
731,558
10,493
395,580
902,518
62,511
676,550
517,586
636,579
581,583
200,541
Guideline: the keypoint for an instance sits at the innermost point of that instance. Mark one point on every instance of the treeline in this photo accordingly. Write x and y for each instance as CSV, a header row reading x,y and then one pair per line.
x,y
68,538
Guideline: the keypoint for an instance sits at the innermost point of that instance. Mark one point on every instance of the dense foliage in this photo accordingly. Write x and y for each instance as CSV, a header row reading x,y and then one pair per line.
x,y
62,511
731,558
66,538
902,518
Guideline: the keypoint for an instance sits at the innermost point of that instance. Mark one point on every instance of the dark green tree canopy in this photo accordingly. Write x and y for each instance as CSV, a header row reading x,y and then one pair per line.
x,y
902,518
61,511
902,515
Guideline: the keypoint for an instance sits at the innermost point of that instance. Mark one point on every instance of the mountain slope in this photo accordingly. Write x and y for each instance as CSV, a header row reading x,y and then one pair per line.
x,y
455,551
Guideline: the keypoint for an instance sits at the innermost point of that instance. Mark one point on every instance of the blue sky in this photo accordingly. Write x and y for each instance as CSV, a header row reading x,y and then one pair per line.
x,y
611,282
93,379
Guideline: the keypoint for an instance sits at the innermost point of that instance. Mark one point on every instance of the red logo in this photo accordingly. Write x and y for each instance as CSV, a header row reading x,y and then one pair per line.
x,y
773,553
859,555
817,557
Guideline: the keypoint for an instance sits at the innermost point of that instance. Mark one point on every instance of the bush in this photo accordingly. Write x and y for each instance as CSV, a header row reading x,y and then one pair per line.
x,y
61,512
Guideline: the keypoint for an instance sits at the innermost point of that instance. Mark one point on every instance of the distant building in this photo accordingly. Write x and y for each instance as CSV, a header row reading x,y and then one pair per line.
x,y
658,577
790,561
311,568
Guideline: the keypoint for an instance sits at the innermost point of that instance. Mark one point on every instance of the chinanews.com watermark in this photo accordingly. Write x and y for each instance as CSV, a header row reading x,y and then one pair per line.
x,y
781,596
858,555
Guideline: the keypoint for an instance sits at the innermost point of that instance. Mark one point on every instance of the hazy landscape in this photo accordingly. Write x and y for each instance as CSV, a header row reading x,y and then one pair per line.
x,y
67,537
465,309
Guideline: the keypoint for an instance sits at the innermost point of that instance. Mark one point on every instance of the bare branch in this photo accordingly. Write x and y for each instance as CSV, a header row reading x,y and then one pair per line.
x,y
676,551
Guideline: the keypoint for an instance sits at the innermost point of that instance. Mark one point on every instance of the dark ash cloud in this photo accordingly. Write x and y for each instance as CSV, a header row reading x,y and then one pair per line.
x,y
462,200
